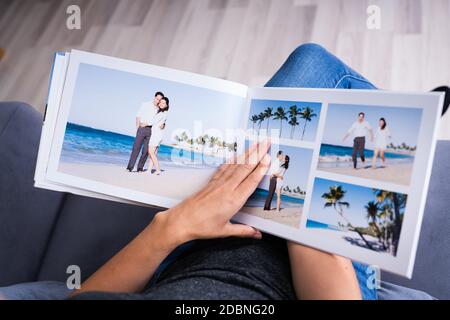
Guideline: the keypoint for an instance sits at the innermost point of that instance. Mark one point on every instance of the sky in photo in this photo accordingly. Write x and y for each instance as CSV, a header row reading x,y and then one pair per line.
x,y
403,123
357,196
299,166
109,99
258,106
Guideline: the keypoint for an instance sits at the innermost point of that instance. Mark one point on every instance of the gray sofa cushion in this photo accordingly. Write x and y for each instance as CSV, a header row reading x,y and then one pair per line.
x,y
88,233
432,267
27,214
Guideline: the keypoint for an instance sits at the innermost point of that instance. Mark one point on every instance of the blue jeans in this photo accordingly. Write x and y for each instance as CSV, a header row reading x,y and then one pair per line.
x,y
309,66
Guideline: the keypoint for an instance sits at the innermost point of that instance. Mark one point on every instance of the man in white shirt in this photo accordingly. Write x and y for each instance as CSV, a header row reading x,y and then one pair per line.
x,y
359,131
144,121
275,167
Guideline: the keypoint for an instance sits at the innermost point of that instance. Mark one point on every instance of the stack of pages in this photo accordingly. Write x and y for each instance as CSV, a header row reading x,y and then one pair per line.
x,y
349,171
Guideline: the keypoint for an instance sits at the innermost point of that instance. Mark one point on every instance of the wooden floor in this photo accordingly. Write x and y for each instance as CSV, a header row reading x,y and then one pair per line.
x,y
239,40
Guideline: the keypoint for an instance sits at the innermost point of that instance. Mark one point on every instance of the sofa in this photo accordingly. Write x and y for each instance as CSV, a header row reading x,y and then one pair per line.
x,y
43,232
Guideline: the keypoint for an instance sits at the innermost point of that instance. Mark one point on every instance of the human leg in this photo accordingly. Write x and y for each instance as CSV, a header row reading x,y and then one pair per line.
x,y
362,148
374,158
383,159
137,145
355,153
272,186
278,199
144,154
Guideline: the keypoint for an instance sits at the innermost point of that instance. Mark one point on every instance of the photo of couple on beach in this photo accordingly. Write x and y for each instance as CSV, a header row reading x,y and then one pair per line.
x,y
357,216
370,142
146,134
280,195
150,123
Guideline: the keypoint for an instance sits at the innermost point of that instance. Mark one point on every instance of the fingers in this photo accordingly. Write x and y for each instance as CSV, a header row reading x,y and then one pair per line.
x,y
242,231
228,166
248,186
248,163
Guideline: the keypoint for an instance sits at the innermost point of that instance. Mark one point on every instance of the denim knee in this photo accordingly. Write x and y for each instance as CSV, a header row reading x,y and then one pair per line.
x,y
308,51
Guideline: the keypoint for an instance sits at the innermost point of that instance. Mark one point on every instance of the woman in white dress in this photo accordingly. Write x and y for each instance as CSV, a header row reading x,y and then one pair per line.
x,y
159,123
381,137
280,176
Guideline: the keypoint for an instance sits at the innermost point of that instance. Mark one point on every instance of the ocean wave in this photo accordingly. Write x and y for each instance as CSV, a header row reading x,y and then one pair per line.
x,y
335,158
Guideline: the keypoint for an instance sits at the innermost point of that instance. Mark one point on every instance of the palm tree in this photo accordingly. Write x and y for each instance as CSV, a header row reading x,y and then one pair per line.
x,y
293,113
261,118
372,214
398,202
280,114
254,119
307,114
184,136
293,123
212,142
385,214
333,198
201,141
268,113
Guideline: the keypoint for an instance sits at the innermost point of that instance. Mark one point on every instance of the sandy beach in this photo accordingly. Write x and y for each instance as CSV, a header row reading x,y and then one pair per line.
x,y
349,238
287,216
395,173
174,182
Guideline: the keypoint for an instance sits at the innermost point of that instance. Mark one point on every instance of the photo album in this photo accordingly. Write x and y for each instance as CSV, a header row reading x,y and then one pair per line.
x,y
349,169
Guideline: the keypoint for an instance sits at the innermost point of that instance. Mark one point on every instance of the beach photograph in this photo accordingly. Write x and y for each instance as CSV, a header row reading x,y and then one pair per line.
x,y
372,142
280,195
294,120
147,134
357,216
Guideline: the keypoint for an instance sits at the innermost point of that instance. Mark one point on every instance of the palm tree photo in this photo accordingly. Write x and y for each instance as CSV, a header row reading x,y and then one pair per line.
x,y
334,198
280,114
306,114
268,114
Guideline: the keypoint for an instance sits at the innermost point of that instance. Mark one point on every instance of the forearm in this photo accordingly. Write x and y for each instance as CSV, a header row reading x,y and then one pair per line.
x,y
131,269
321,275
138,122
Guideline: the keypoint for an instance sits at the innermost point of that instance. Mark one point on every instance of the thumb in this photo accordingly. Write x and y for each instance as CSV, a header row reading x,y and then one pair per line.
x,y
242,231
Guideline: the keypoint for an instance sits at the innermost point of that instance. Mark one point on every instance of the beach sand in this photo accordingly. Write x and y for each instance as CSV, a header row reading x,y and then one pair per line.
x,y
395,173
349,238
287,216
174,182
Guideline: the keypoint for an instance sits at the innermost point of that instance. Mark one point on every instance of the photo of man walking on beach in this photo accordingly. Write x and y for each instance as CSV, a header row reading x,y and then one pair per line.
x,y
144,119
359,130
395,143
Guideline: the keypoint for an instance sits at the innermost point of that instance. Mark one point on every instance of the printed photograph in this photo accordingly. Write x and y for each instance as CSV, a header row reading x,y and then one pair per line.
x,y
138,132
281,193
357,216
370,142
293,120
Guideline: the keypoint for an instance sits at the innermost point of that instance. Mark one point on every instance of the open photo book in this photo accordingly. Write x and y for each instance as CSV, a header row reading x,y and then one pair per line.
x,y
349,169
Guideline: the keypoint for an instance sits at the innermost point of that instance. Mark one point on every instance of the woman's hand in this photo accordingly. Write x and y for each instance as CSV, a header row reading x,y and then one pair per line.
x,y
207,214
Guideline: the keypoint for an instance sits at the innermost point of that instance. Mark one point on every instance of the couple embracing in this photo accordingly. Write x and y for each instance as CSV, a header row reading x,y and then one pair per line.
x,y
150,123
279,165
